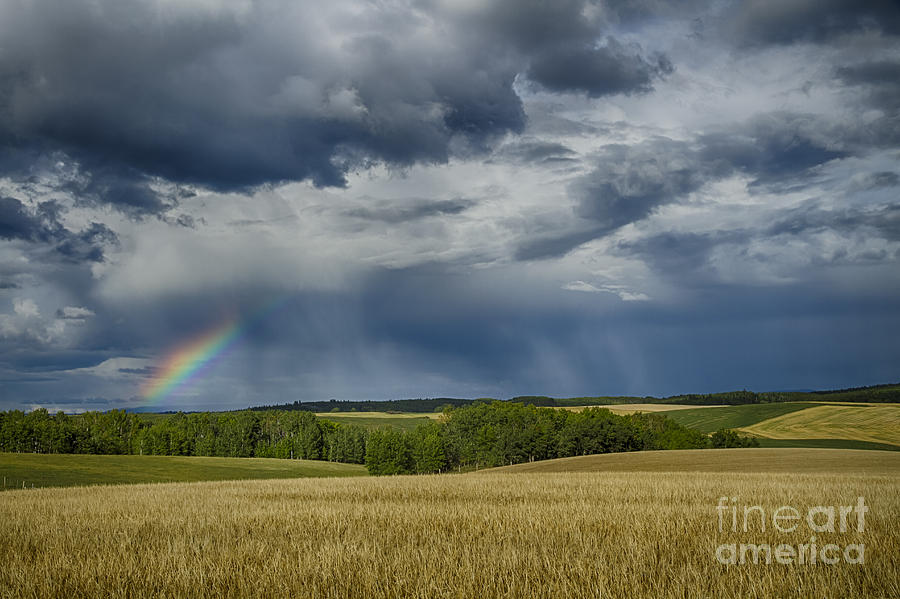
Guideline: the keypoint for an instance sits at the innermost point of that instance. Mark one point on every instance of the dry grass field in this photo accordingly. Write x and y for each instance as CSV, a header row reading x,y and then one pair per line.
x,y
879,423
498,534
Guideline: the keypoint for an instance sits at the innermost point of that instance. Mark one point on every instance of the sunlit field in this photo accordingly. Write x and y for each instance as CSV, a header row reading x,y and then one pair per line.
x,y
874,423
631,408
490,534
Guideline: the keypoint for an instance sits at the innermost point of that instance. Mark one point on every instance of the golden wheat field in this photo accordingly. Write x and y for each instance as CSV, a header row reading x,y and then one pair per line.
x,y
583,534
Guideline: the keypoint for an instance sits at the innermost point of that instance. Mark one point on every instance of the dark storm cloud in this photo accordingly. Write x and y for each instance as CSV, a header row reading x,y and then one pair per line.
x,y
682,256
126,189
612,68
630,182
41,360
146,371
774,148
409,211
535,151
233,96
879,79
778,150
530,24
389,336
230,99
627,184
87,244
567,49
881,179
42,225
758,22
687,257
882,221
549,245
131,104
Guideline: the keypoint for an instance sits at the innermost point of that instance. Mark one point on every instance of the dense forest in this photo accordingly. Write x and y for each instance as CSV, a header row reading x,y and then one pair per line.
x,y
480,435
431,404
500,433
277,434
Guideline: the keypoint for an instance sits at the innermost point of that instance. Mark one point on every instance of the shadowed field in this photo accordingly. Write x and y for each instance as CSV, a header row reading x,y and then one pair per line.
x,y
64,470
756,460
500,534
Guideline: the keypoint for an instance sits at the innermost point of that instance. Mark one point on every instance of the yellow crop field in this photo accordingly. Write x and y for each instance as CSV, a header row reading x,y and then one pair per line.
x,y
879,423
506,534
631,408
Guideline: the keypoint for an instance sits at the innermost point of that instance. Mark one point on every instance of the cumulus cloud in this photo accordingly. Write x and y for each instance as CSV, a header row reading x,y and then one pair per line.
x,y
26,308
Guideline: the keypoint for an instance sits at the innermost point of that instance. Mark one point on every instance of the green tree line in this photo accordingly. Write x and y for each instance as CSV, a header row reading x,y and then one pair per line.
x,y
277,434
480,435
500,433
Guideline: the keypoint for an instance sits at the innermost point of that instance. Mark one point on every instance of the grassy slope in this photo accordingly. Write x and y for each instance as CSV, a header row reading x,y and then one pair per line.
x,y
872,423
72,470
763,460
709,421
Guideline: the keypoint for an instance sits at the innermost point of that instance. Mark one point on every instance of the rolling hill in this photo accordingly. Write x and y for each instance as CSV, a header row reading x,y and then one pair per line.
x,y
66,470
879,423
762,460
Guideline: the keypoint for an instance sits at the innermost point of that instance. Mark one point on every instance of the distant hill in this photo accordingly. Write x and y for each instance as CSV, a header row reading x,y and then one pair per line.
x,y
432,404
887,393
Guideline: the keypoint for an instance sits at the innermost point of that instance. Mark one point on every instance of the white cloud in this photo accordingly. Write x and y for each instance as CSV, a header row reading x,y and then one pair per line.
x,y
26,308
74,313
624,293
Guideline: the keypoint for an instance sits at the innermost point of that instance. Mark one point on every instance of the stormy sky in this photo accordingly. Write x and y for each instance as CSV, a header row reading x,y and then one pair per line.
x,y
421,198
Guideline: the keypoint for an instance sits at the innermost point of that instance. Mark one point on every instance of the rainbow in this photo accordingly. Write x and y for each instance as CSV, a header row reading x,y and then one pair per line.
x,y
186,361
